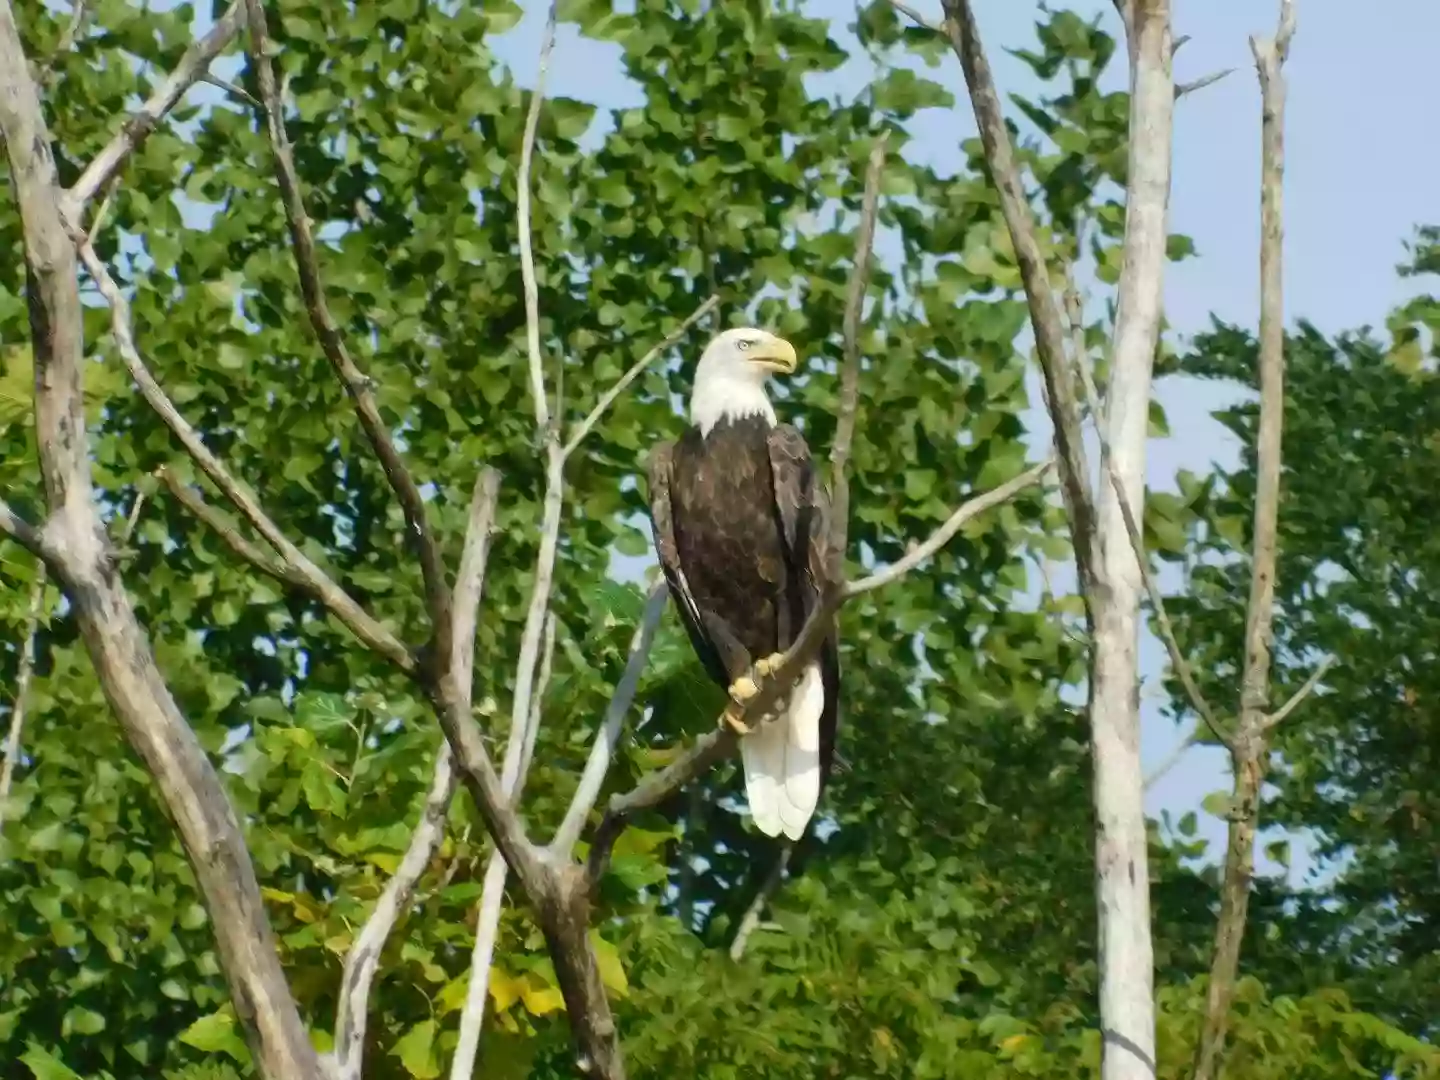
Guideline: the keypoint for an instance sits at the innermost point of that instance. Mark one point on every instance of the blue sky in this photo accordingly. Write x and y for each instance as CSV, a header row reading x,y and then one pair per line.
x,y
1358,180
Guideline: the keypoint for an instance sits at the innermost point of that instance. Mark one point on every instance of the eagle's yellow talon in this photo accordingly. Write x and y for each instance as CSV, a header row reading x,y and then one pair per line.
x,y
730,717
743,689
769,665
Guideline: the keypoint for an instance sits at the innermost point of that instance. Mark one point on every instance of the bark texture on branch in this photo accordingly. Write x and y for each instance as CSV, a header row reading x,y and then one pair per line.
x,y
118,646
1122,879
1109,570
1249,750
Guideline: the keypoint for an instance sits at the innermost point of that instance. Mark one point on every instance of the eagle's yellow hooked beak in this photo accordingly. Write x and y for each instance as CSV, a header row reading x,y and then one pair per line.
x,y
774,353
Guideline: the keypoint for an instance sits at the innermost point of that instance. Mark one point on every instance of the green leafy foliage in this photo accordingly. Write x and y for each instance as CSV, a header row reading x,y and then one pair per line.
x,y
1358,571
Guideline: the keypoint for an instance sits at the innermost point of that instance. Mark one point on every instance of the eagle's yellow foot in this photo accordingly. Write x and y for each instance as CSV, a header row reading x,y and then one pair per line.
x,y
769,665
741,690
731,717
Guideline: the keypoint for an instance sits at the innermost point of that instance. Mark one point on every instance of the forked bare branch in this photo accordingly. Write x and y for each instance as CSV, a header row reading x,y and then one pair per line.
x,y
292,567
363,959
138,126
357,384
1249,754
76,549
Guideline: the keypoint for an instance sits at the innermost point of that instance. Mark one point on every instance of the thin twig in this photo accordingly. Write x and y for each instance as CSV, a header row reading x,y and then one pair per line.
x,y
943,535
230,88
22,688
79,16
1172,759
850,369
138,126
1278,717
608,737
537,708
711,747
25,534
493,891
527,250
1181,89
298,570
916,18
751,919
582,429
358,385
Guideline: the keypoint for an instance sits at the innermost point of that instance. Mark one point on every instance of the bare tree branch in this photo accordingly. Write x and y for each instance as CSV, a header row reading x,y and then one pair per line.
x,y
850,370
24,534
1279,716
711,747
582,429
915,17
1064,402
1122,879
1132,529
946,532
751,919
137,128
527,250
78,553
358,385
608,737
1172,759
1181,89
1249,753
363,960
293,567
537,707
22,688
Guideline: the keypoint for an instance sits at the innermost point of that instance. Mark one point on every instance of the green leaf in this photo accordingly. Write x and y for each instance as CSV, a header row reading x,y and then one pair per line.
x,y
216,1034
416,1051
44,1065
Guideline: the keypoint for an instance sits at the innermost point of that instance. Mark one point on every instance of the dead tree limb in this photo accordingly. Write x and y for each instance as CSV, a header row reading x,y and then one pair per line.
x,y
22,688
193,67
1045,317
1249,752
363,959
77,552
1108,569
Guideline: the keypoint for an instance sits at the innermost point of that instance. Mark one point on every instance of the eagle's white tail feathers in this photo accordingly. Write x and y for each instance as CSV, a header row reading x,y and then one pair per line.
x,y
782,761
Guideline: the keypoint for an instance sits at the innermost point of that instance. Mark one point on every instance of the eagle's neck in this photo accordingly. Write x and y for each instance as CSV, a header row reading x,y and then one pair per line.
x,y
722,396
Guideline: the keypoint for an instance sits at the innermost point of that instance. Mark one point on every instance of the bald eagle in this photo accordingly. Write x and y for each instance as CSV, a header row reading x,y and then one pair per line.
x,y
739,522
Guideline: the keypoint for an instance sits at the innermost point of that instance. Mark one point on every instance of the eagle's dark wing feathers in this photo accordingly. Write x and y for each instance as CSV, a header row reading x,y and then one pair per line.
x,y
669,553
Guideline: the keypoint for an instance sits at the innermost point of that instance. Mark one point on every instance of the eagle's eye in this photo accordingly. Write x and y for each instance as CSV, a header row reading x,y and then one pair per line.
x,y
743,344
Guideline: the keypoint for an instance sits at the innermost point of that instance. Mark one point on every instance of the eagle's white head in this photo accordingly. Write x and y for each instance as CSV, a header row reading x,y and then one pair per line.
x,y
730,377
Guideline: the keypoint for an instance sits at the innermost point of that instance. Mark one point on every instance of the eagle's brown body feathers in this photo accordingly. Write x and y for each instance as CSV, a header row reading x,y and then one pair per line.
x,y
740,523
